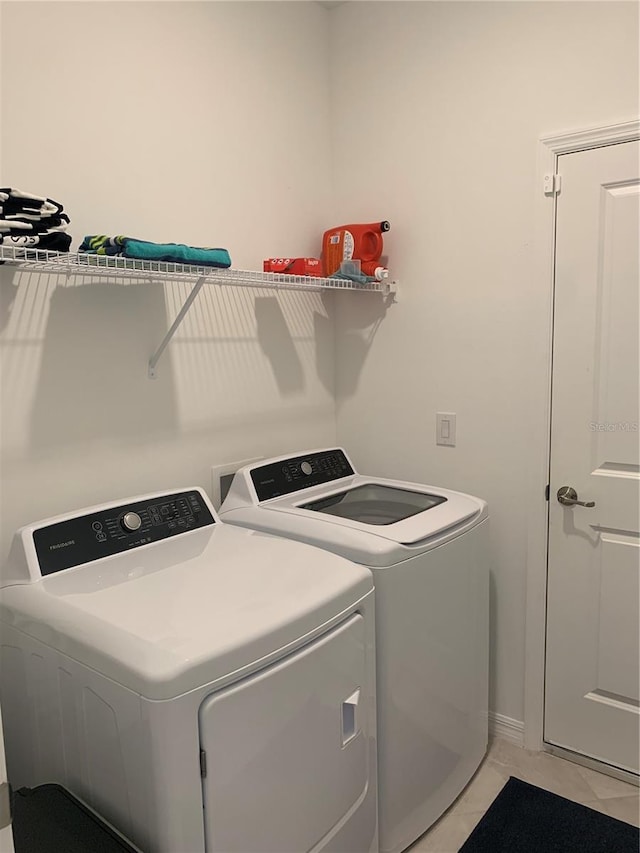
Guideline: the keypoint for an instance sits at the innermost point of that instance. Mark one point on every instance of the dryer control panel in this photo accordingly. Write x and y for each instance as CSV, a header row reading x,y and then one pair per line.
x,y
111,531
299,472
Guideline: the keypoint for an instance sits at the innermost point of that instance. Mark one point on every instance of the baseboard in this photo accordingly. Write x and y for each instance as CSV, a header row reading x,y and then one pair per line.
x,y
506,728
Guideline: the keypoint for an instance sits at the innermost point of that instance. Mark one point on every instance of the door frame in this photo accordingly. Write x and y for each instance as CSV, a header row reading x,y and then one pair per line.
x,y
549,149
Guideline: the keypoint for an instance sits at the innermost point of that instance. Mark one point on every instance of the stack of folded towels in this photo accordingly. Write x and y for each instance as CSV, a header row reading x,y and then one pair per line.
x,y
178,253
32,221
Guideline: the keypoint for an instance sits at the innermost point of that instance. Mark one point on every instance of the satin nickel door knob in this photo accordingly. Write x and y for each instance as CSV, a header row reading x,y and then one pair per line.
x,y
568,496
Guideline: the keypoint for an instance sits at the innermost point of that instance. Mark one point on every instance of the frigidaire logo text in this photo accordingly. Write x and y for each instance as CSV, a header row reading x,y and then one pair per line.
x,y
62,544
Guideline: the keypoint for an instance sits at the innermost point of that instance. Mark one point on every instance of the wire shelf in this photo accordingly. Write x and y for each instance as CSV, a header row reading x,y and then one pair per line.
x,y
70,263
113,266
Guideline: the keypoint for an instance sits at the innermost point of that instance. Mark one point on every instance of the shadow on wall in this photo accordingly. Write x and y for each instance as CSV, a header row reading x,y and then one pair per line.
x,y
92,381
324,331
357,318
7,297
75,355
277,344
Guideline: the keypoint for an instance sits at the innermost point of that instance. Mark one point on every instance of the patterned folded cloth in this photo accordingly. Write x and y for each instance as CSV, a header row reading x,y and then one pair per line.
x,y
54,241
35,223
130,247
20,225
32,221
99,244
15,203
7,226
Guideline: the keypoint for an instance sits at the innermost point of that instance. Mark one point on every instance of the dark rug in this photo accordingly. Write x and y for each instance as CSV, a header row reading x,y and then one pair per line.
x,y
48,819
527,819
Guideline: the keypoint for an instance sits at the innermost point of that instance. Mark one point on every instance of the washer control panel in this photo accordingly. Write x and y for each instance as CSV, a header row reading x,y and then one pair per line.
x,y
299,472
99,534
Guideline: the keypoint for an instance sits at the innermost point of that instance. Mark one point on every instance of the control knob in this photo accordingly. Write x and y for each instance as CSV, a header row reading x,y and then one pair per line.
x,y
306,468
131,521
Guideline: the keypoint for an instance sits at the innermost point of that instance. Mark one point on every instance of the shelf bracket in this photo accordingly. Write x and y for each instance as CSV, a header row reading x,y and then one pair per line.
x,y
155,358
390,292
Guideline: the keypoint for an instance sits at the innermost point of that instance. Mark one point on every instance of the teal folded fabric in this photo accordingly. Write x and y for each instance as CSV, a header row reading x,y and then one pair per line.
x,y
358,279
177,253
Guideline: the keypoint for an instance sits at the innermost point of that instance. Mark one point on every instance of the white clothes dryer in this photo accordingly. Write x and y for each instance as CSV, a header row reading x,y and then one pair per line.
x,y
428,551
201,687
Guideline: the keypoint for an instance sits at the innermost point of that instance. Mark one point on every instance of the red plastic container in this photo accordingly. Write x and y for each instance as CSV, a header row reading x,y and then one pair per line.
x,y
353,242
294,266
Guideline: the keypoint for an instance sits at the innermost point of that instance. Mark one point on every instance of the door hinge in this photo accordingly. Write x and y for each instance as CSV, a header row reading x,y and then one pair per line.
x,y
5,805
203,764
552,184
546,492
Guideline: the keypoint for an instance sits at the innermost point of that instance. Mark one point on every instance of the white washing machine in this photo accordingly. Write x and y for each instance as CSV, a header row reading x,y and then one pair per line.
x,y
202,687
428,551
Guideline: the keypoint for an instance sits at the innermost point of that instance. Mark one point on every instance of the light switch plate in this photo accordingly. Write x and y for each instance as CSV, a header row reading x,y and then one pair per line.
x,y
446,428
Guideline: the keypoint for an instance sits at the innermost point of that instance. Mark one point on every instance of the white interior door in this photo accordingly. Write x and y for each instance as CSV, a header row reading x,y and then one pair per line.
x,y
592,665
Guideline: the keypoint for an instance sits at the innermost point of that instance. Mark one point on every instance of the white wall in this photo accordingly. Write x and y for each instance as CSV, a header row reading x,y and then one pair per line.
x,y
204,123
437,109
215,123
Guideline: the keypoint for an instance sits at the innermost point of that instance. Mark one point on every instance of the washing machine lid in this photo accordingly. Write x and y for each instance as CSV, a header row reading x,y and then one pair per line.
x,y
173,615
372,520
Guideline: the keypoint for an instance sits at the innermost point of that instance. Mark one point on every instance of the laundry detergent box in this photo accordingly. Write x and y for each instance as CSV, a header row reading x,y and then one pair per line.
x,y
294,266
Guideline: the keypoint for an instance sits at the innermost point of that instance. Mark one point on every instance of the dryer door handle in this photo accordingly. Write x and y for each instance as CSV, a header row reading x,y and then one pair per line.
x,y
349,717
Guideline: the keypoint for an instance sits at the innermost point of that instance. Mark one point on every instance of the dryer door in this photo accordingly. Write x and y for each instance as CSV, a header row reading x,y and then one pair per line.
x,y
287,749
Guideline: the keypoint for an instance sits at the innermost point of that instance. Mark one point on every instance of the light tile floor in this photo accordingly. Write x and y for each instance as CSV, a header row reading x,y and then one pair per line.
x,y
504,759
